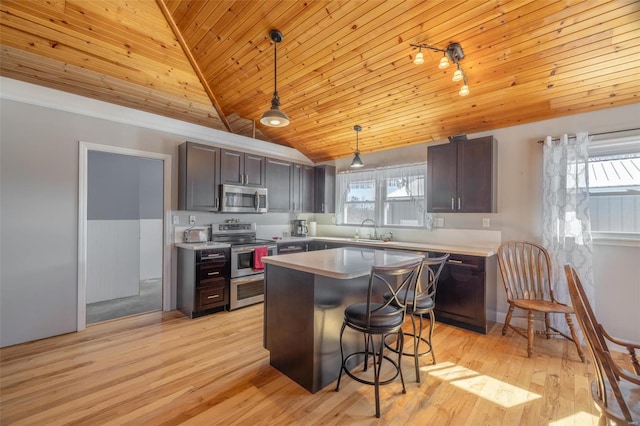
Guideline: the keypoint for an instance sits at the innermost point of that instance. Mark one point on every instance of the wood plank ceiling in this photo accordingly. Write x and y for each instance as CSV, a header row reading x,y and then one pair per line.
x,y
341,63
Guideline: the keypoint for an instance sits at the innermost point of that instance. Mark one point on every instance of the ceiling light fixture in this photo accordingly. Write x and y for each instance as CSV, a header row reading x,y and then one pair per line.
x,y
357,162
274,117
452,53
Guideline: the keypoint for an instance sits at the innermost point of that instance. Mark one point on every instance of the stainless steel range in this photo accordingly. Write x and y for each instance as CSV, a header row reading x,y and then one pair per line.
x,y
247,280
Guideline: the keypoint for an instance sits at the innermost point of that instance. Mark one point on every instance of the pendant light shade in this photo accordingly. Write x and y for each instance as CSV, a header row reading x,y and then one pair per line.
x,y
274,117
444,62
457,75
357,162
419,59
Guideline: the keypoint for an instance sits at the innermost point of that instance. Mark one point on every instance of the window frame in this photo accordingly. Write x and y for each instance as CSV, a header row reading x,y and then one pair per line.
x,y
380,176
611,147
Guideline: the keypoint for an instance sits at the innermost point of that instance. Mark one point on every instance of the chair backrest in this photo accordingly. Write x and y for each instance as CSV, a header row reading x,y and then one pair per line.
x,y
394,281
526,270
427,282
604,364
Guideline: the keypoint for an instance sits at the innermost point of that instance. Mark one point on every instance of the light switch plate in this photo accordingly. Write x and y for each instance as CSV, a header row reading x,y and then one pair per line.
x,y
439,222
176,220
486,222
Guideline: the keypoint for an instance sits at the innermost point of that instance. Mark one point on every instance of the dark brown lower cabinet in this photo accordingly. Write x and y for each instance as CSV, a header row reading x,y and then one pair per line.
x,y
203,281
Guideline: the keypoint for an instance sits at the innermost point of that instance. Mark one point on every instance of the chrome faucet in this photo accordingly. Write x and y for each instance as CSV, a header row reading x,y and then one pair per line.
x,y
375,229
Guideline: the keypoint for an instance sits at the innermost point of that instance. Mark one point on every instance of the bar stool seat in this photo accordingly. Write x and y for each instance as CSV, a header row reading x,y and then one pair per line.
x,y
377,318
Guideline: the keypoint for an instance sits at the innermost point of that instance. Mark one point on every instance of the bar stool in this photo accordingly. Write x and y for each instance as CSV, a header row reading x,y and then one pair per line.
x,y
421,301
376,319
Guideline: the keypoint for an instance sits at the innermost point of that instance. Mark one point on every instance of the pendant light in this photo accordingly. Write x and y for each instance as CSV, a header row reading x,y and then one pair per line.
x,y
357,162
274,117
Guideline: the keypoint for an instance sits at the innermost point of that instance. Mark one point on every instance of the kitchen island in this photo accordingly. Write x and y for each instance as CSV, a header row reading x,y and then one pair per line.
x,y
305,297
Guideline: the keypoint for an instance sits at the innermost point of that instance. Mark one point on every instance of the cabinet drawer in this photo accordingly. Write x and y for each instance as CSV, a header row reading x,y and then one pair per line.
x,y
210,297
208,274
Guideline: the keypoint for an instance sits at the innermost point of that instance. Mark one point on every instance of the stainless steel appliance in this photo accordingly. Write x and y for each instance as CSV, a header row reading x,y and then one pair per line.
x,y
196,235
247,282
243,199
300,228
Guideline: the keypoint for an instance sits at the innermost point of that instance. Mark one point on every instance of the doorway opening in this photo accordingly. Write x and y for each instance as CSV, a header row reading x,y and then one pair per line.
x,y
123,250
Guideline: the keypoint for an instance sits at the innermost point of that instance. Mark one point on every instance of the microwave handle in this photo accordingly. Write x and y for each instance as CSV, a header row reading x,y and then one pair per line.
x,y
256,200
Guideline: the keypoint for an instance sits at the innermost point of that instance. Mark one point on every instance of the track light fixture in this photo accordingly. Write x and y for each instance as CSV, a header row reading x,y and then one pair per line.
x,y
357,162
452,53
274,117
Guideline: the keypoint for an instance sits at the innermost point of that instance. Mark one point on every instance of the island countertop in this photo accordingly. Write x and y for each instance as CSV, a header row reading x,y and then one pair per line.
x,y
341,263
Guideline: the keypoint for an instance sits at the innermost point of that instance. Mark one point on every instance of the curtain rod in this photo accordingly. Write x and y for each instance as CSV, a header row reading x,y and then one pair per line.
x,y
595,134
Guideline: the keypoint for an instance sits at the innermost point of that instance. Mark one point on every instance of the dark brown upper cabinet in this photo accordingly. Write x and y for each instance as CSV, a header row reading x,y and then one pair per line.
x,y
302,185
325,189
198,178
462,176
279,185
240,168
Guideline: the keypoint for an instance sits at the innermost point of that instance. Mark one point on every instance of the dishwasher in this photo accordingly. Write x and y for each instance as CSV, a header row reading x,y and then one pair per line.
x,y
460,297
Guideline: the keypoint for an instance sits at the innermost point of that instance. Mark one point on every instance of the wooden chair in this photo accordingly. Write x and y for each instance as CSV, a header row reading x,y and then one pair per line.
x,y
526,273
615,390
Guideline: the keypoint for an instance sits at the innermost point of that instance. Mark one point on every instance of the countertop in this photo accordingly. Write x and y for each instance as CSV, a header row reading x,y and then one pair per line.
x,y
341,263
377,244
203,246
468,250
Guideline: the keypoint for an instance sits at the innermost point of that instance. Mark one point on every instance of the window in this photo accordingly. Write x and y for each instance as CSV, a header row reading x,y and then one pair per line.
x,y
614,186
393,196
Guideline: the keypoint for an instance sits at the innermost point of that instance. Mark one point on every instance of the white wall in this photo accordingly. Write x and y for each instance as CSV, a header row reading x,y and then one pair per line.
x,y
39,193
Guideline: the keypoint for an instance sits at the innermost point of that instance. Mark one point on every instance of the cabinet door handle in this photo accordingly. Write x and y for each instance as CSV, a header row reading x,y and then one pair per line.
x,y
246,179
213,273
215,296
217,203
458,203
452,205
322,208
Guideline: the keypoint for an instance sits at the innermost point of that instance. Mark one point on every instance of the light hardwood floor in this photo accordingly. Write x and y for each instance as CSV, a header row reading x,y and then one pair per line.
x,y
165,369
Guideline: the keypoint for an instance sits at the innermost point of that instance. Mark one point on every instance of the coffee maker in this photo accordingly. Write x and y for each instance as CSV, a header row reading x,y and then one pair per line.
x,y
300,228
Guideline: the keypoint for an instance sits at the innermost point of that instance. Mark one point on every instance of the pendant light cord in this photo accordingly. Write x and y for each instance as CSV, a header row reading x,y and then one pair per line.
x,y
275,68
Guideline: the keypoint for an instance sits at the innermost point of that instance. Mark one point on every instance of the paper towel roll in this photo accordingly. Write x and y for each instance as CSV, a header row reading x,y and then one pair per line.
x,y
312,229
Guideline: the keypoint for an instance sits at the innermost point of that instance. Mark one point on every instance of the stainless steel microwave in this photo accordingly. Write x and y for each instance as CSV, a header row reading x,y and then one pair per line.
x,y
243,199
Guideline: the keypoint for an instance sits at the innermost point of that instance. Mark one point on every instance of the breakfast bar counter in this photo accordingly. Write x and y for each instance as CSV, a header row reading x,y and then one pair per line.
x,y
305,297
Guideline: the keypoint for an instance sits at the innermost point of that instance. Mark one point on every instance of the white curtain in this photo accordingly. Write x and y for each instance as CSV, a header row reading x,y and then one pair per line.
x,y
567,226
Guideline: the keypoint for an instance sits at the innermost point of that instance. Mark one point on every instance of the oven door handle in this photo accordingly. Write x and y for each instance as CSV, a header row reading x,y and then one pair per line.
x,y
242,250
252,278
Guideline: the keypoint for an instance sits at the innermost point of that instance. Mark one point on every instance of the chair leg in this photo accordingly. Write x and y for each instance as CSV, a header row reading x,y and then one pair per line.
x,y
547,325
401,337
416,345
366,352
376,372
507,320
432,322
574,336
341,357
530,334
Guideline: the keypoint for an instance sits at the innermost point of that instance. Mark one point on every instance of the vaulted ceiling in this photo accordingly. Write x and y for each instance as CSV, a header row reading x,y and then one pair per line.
x,y
341,63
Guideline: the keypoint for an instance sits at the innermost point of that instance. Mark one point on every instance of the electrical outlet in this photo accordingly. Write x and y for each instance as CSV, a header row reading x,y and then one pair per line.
x,y
192,220
439,222
486,222
333,220
176,220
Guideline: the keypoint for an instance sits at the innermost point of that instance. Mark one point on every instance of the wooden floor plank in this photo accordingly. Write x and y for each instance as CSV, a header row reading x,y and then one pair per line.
x,y
165,369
